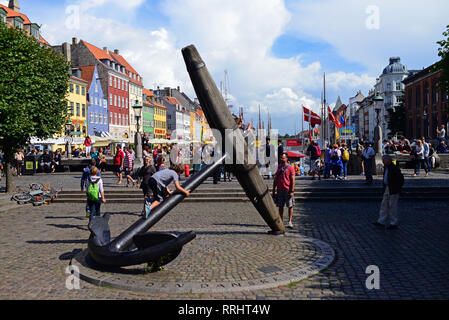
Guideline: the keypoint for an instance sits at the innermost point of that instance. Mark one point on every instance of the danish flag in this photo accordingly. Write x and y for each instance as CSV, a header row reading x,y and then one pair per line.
x,y
311,117
333,119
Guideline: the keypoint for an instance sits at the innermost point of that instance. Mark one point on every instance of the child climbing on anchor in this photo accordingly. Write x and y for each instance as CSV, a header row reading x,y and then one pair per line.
x,y
159,183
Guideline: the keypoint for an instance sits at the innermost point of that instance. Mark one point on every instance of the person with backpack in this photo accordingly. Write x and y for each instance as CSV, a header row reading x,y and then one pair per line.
x,y
344,160
315,157
336,162
94,193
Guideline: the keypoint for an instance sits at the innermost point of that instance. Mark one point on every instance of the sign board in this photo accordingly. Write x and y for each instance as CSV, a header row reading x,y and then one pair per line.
x,y
347,132
294,142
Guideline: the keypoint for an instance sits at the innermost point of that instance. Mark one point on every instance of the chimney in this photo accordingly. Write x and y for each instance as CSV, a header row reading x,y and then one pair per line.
x,y
74,41
179,89
106,49
66,50
116,51
14,5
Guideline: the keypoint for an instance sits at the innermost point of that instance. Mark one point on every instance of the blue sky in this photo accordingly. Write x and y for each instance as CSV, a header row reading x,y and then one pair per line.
x,y
275,51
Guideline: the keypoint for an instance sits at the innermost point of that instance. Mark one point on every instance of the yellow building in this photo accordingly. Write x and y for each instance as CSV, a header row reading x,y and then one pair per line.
x,y
77,111
77,103
160,119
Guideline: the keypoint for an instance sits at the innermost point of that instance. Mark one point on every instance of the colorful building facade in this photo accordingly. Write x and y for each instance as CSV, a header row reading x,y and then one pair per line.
x,y
97,104
148,113
160,119
77,103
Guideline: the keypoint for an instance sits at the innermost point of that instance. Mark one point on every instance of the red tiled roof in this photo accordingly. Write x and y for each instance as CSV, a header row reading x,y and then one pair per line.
x,y
87,73
127,66
149,93
97,52
75,78
11,14
172,100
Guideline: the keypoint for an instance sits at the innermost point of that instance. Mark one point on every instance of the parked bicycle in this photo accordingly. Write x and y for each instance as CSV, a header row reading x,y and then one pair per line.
x,y
37,194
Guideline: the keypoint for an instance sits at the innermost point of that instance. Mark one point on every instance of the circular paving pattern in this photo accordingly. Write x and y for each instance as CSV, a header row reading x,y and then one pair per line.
x,y
223,259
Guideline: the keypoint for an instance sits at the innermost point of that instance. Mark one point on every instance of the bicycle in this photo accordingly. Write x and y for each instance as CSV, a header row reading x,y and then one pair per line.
x,y
38,194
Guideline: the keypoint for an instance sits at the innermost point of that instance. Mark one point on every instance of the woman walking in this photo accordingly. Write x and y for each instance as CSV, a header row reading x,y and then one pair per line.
x,y
102,160
128,167
336,162
419,157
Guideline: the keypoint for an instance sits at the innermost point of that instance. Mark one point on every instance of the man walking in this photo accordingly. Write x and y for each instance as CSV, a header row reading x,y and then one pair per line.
x,y
284,182
393,181
368,156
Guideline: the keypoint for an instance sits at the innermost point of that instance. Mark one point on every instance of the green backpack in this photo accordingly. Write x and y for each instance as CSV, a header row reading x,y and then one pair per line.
x,y
92,191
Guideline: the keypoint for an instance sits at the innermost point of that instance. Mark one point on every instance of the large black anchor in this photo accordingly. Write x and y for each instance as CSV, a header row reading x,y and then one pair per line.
x,y
134,246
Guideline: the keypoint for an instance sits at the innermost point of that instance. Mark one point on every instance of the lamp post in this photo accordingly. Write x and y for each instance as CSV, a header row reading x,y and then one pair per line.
x,y
137,138
378,165
68,139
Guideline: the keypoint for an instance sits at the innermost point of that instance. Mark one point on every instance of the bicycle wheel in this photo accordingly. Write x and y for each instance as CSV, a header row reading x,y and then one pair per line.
x,y
21,197
36,186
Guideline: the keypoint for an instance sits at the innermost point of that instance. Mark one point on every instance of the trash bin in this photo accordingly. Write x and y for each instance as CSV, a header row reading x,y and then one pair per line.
x,y
31,165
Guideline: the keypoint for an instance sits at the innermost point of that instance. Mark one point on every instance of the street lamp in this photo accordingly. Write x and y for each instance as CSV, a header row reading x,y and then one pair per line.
x,y
137,139
378,100
68,138
378,105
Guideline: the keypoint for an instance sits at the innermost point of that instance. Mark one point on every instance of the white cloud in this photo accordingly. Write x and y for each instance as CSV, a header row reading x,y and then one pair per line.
x,y
407,28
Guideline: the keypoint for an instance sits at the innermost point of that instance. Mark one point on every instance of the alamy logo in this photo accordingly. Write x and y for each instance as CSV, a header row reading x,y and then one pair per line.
x,y
373,281
72,21
73,280
373,20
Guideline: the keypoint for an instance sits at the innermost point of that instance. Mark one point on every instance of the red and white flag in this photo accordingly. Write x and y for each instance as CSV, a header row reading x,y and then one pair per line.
x,y
311,117
333,119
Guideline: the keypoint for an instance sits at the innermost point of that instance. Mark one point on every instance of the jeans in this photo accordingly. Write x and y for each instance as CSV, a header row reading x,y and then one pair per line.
x,y
368,170
336,170
327,170
94,207
428,162
345,168
419,163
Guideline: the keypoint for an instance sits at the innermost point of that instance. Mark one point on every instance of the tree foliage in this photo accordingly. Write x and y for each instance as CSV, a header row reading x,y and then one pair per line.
x,y
33,88
443,64
397,120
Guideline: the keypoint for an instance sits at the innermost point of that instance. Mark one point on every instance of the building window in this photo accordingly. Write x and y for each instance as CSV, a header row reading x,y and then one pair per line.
x,y
3,15
388,87
77,109
398,86
110,81
115,82
119,119
115,115
426,94
72,108
418,97
83,111
435,93
110,99
83,91
112,118
105,103
18,22
71,87
115,100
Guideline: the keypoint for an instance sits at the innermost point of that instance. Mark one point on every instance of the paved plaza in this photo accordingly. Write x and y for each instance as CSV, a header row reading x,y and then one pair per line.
x,y
38,243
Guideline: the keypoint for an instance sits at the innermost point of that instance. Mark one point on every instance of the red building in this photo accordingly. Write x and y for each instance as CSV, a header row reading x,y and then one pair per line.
x,y
426,106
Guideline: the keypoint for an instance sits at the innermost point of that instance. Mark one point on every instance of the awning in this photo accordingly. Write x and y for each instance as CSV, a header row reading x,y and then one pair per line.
x,y
292,154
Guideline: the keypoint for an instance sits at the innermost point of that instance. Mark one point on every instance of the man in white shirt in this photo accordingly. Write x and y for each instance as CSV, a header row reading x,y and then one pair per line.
x,y
368,156
441,133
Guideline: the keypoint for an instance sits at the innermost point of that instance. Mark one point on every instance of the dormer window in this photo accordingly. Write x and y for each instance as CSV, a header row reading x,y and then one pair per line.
x,y
3,15
35,30
18,22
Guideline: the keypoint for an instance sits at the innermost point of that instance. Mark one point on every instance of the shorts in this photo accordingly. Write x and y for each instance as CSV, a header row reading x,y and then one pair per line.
x,y
285,199
316,164
159,192
128,171
117,168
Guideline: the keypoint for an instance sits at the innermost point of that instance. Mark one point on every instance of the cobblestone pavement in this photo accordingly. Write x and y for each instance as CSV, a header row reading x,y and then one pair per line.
x,y
71,181
38,242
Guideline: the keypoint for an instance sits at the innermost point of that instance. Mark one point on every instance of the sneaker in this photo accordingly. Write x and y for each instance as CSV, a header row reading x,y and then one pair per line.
x,y
363,173
290,225
146,211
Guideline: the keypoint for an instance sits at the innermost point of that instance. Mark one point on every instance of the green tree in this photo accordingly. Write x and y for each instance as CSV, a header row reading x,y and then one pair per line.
x,y
397,120
33,90
443,64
